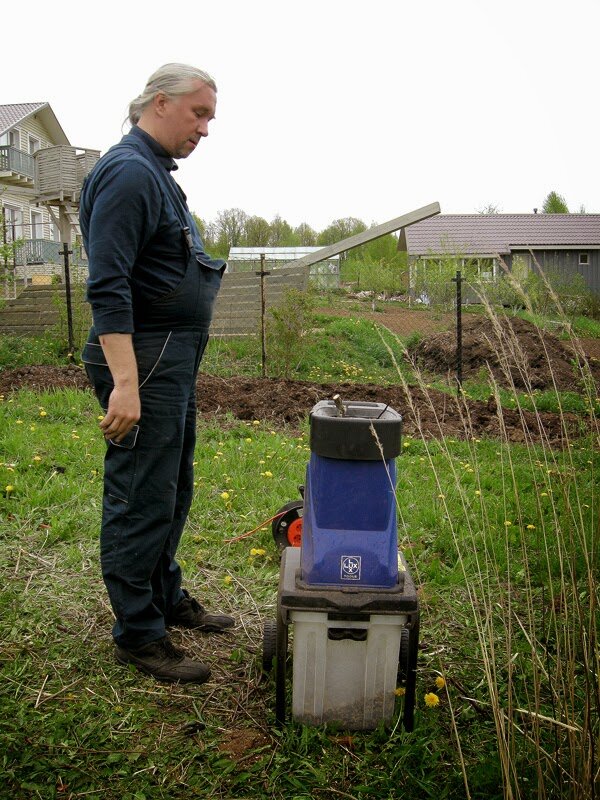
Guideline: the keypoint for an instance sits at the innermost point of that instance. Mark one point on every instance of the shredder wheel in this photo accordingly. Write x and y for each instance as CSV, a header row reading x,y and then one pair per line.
x,y
287,528
403,660
269,644
411,675
280,669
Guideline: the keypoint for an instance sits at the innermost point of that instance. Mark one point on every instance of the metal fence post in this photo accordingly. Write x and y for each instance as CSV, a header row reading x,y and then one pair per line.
x,y
66,253
458,281
263,332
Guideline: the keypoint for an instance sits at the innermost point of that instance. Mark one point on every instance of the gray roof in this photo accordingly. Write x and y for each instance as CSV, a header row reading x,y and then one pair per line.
x,y
14,113
11,115
493,234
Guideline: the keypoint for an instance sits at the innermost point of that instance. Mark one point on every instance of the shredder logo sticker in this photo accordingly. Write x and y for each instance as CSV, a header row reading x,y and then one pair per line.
x,y
350,568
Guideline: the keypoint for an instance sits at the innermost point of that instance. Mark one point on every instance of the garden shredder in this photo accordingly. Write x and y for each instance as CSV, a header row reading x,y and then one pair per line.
x,y
344,586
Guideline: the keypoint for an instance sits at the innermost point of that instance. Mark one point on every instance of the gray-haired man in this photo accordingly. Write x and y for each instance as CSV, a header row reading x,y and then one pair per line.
x,y
152,289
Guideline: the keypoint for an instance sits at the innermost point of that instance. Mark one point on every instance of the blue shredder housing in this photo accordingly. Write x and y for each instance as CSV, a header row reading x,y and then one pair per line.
x,y
349,533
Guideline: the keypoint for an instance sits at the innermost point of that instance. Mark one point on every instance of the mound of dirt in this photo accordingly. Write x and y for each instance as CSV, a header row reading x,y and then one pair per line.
x,y
428,413
511,349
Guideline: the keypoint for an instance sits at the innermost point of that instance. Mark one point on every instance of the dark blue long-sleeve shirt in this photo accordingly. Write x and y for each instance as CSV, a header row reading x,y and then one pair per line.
x,y
132,233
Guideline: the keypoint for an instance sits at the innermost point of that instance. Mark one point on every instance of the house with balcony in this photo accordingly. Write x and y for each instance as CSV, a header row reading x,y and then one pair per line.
x,y
40,179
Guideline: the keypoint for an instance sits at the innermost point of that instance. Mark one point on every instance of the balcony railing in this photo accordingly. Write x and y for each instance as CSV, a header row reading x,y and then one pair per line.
x,y
42,251
13,160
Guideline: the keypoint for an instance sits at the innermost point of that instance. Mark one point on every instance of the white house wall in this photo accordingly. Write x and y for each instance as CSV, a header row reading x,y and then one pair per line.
x,y
10,195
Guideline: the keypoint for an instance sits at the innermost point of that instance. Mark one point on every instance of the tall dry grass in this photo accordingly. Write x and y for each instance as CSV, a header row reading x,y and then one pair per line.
x,y
533,598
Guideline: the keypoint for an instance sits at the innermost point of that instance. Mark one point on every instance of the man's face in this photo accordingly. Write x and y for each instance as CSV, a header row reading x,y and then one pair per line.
x,y
184,119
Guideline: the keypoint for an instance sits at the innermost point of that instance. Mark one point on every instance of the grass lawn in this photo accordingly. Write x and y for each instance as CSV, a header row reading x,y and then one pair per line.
x,y
501,539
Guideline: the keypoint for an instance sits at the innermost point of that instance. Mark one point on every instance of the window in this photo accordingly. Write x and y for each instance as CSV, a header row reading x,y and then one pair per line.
x,y
10,138
34,145
37,227
13,223
584,259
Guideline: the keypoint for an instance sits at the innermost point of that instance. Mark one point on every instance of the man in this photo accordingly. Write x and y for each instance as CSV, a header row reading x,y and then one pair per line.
x,y
152,289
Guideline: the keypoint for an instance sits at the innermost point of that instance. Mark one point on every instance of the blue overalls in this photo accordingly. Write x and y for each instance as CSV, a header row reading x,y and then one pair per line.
x,y
148,477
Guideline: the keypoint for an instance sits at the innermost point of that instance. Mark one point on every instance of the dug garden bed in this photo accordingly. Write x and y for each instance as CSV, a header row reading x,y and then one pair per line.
x,y
427,412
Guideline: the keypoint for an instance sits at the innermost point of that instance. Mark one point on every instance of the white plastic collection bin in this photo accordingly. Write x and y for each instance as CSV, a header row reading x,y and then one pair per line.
x,y
345,670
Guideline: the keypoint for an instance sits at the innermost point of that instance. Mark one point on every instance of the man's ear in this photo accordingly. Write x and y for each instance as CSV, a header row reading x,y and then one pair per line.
x,y
159,103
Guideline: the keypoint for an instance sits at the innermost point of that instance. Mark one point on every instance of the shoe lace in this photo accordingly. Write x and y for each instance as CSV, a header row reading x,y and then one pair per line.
x,y
196,607
171,650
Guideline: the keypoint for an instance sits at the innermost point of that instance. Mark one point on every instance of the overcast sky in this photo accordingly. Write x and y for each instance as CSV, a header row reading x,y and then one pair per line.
x,y
336,108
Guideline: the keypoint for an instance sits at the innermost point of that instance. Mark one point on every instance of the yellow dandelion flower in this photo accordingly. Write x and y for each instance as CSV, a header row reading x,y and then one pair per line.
x,y
248,440
507,523
406,444
478,492
227,579
18,422
544,494
100,417
10,488
531,527
32,427
431,699
256,422
224,495
441,496
440,682
43,413
400,691
267,474
37,458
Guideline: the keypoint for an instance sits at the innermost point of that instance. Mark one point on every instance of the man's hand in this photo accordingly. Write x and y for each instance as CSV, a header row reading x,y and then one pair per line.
x,y
124,402
123,412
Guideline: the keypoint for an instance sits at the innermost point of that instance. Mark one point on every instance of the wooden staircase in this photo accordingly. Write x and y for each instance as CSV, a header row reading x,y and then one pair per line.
x,y
33,312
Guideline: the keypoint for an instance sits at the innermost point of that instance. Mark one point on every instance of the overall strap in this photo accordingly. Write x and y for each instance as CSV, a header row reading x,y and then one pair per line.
x,y
165,180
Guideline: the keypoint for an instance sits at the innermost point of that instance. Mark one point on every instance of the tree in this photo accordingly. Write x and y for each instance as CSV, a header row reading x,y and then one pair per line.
x,y
555,204
282,234
489,208
200,224
230,227
341,229
257,232
307,237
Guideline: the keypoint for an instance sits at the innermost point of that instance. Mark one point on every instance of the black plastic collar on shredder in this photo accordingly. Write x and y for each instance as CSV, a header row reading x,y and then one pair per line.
x,y
350,437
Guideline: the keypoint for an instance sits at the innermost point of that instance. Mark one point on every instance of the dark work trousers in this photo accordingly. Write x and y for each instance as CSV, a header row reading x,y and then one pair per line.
x,y
148,478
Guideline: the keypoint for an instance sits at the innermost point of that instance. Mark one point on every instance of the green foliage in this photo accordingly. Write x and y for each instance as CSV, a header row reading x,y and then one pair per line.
x,y
555,204
542,292
340,229
287,329
386,276
433,280
81,317
7,254
21,351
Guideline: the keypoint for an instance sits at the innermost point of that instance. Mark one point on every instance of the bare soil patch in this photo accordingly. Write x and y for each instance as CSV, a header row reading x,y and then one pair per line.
x,y
426,412
511,349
